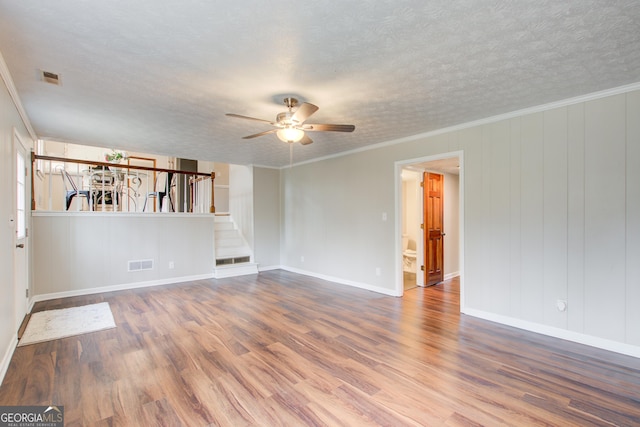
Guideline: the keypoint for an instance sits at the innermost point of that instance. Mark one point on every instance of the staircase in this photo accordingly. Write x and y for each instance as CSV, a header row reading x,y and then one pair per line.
x,y
233,254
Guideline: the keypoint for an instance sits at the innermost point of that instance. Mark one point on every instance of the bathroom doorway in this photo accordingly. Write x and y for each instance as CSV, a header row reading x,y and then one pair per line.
x,y
411,213
412,236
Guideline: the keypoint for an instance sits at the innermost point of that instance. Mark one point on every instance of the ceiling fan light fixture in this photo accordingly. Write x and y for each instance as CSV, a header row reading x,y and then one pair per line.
x,y
290,134
290,126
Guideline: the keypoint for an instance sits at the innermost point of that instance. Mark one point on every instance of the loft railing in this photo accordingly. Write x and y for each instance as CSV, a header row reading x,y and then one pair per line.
x,y
117,187
200,187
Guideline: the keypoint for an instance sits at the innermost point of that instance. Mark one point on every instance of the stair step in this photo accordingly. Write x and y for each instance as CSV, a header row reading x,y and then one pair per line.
x,y
227,234
223,226
232,252
236,248
230,247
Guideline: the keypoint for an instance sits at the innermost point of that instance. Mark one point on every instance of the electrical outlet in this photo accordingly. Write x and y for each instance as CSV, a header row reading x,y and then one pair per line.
x,y
171,265
302,258
561,305
378,271
384,216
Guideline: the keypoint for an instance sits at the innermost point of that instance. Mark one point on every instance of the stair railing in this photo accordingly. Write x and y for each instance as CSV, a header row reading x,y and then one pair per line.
x,y
193,177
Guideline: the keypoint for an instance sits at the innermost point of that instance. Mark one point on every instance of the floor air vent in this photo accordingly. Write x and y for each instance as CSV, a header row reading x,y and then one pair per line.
x,y
230,261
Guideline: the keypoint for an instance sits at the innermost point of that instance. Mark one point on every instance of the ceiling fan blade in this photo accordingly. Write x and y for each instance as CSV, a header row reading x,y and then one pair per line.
x,y
327,127
255,135
238,116
303,112
306,140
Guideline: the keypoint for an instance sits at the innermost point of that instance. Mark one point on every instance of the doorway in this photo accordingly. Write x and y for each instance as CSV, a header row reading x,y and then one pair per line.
x,y
411,207
411,236
433,227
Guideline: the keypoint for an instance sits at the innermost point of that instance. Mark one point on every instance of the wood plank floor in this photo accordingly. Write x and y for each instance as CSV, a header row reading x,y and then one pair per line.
x,y
284,349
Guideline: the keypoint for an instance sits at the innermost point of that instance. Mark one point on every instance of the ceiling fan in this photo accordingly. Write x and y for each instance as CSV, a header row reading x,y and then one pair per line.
x,y
291,126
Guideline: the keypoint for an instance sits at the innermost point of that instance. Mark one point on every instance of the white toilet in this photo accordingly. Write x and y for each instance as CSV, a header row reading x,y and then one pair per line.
x,y
408,256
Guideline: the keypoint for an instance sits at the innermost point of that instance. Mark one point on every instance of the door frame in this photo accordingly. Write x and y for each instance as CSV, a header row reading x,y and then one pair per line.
x,y
21,301
398,166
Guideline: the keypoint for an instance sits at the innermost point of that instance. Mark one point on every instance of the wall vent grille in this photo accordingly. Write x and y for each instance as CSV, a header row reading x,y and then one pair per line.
x,y
140,265
229,261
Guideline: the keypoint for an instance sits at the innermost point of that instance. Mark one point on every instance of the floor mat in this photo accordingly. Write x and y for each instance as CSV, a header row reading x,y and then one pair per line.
x,y
55,324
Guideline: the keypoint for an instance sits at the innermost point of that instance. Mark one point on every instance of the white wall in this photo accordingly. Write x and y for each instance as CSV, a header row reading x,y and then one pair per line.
x,y
266,213
221,183
241,200
221,187
412,216
9,120
552,211
451,225
89,251
333,219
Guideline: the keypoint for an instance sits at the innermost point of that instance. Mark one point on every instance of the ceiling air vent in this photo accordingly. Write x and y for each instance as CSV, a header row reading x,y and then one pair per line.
x,y
49,77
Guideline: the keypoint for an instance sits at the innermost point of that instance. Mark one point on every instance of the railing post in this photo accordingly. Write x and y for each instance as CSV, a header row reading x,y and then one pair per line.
x,y
191,192
212,209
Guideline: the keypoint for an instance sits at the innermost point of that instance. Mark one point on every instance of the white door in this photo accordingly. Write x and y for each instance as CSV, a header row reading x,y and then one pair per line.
x,y
20,212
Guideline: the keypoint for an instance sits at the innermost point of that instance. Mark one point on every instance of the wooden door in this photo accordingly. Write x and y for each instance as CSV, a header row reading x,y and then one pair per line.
x,y
433,203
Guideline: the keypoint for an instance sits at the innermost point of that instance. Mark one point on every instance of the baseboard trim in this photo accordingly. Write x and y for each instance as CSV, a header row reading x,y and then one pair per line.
x,y
590,340
366,286
451,275
6,359
121,287
270,268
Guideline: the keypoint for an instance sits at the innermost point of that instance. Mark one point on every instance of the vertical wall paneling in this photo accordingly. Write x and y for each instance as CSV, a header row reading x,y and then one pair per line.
x,y
470,142
575,230
440,143
555,215
288,221
605,217
266,216
490,265
633,219
497,225
532,211
515,217
45,231
92,252
454,145
75,253
551,211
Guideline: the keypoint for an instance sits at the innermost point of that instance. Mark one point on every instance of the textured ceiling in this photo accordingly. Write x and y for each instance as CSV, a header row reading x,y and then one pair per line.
x,y
158,76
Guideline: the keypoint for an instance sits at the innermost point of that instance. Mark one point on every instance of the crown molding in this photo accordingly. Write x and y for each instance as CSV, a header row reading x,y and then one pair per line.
x,y
13,93
513,114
